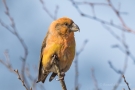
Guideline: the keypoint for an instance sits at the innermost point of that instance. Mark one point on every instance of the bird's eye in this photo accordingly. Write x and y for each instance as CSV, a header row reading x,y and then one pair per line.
x,y
66,24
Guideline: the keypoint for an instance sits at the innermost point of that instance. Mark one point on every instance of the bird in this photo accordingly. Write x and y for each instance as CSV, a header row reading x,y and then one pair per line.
x,y
59,41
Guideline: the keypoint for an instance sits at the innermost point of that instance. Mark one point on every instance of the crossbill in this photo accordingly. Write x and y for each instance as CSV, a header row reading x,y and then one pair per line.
x,y
59,41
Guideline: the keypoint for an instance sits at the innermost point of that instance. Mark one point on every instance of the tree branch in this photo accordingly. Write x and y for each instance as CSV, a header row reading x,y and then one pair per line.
x,y
94,80
76,64
125,27
56,63
15,33
7,62
19,77
54,17
126,82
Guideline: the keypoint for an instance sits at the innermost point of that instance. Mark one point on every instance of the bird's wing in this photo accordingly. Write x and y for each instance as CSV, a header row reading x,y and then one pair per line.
x,y
52,76
42,74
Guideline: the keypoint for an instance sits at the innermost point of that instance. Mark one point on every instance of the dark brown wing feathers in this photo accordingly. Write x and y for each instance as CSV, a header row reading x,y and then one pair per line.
x,y
42,74
52,76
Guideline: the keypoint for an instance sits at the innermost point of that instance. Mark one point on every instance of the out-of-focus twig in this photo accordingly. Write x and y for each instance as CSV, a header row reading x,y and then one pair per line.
x,y
121,40
76,65
31,78
125,50
119,17
117,12
7,62
112,67
94,80
54,17
125,63
119,72
13,30
19,77
126,82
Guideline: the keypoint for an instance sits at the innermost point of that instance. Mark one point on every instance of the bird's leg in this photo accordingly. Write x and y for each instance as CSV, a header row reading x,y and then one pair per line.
x,y
55,61
54,58
62,74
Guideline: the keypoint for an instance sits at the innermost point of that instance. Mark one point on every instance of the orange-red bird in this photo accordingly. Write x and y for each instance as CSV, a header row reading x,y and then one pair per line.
x,y
59,41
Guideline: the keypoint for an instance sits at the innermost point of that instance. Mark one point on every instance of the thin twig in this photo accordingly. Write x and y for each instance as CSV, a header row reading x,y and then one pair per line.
x,y
56,12
6,62
8,65
126,82
54,17
31,78
90,3
55,61
124,51
119,71
119,17
122,41
5,26
14,32
76,65
125,27
94,80
19,77
112,67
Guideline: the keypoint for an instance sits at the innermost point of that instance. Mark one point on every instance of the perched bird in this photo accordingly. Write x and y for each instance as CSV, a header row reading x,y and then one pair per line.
x,y
59,41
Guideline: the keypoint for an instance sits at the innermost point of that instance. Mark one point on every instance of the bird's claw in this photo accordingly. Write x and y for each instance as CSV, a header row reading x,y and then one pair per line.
x,y
62,74
62,78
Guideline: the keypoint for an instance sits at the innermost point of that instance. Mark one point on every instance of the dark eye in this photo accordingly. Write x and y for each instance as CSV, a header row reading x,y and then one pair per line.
x,y
66,24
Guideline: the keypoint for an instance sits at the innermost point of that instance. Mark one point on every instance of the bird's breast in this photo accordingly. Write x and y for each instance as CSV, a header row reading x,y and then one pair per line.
x,y
66,55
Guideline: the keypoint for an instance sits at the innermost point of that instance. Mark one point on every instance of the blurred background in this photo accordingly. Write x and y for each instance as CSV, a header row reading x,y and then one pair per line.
x,y
110,41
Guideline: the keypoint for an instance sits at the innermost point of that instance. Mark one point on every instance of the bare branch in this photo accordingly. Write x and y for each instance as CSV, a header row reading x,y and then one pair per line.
x,y
119,72
119,17
124,51
76,64
55,61
126,82
8,14
5,26
54,17
31,78
122,40
56,12
19,77
125,27
82,48
90,3
94,80
14,32
7,62
112,67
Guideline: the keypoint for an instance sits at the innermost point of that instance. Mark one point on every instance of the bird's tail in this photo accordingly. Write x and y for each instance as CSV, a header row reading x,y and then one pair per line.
x,y
52,76
42,75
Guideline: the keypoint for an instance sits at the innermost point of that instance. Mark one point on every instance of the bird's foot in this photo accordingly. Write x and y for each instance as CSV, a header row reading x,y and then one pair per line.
x,y
62,74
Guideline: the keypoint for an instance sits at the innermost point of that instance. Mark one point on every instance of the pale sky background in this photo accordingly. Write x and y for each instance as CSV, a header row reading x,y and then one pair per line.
x,y
32,23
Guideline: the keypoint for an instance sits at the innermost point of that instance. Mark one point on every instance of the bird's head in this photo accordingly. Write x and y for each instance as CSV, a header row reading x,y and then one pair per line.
x,y
64,26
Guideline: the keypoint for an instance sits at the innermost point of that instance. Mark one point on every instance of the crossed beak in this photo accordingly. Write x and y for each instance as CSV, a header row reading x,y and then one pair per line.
x,y
74,28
